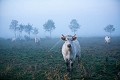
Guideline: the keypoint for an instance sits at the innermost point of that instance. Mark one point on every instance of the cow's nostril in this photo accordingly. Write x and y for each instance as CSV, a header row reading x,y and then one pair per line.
x,y
69,45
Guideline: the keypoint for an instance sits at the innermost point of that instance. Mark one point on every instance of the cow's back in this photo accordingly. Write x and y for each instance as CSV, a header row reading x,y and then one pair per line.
x,y
107,39
77,48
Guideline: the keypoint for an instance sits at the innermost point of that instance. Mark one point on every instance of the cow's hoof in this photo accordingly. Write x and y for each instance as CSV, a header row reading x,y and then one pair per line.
x,y
68,70
72,64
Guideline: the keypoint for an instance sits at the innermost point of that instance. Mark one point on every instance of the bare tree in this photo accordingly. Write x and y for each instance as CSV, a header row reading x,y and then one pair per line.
x,y
35,31
20,29
13,26
109,28
49,26
28,29
74,26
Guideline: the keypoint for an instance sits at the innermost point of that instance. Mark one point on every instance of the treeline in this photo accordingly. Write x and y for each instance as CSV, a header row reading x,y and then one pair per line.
x,y
15,27
48,26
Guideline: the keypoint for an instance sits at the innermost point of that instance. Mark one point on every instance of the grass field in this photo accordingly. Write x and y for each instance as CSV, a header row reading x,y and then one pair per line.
x,y
25,60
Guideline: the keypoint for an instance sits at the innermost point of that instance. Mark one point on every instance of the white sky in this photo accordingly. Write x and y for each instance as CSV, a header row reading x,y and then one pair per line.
x,y
92,15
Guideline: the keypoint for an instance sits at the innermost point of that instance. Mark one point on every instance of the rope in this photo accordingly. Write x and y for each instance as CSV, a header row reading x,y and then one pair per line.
x,y
54,45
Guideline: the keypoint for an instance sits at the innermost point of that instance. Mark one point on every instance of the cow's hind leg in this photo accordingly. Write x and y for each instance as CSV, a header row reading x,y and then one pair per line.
x,y
78,58
71,65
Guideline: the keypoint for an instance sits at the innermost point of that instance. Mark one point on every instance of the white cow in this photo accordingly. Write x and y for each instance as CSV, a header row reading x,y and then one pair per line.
x,y
107,39
13,39
70,50
37,39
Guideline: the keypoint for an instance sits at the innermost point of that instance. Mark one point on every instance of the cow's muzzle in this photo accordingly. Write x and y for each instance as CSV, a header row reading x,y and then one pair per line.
x,y
69,45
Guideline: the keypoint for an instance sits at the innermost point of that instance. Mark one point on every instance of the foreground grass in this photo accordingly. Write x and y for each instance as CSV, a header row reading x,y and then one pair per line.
x,y
29,61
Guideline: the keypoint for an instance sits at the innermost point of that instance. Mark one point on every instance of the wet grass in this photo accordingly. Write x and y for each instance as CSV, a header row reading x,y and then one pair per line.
x,y
25,60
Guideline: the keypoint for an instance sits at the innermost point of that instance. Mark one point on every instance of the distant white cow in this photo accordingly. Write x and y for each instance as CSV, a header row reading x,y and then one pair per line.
x,y
70,50
13,39
107,39
37,39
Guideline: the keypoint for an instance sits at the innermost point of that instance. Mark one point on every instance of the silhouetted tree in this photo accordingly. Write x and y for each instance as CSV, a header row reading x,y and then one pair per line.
x,y
35,31
20,29
49,26
74,26
13,26
28,29
109,28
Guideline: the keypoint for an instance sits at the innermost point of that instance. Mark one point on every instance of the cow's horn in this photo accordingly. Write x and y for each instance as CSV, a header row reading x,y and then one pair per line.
x,y
74,35
63,35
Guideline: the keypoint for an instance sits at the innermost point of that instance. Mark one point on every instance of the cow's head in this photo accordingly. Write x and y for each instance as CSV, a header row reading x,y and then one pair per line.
x,y
68,39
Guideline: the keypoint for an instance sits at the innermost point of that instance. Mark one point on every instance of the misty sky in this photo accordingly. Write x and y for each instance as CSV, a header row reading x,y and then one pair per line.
x,y
92,15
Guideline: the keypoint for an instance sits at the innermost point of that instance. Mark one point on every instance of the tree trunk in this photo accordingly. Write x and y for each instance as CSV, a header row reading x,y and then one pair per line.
x,y
50,34
15,34
110,34
20,35
29,35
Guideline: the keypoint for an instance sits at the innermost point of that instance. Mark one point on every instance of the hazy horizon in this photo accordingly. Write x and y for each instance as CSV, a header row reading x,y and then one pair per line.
x,y
92,15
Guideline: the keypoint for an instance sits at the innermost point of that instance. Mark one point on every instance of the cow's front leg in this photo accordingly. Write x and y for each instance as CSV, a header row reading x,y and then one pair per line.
x,y
71,64
68,65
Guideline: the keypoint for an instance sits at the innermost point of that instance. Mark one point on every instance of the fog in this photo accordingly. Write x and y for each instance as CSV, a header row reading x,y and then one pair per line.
x,y
92,15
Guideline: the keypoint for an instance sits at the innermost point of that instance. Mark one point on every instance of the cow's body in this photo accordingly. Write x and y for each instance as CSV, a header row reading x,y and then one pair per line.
x,y
13,39
70,50
71,53
37,39
107,39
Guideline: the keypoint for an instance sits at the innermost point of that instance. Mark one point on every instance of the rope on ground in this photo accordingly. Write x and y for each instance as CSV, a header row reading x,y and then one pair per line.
x,y
54,45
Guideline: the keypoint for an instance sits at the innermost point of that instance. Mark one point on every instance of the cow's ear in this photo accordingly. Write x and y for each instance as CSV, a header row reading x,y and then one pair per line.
x,y
74,38
63,38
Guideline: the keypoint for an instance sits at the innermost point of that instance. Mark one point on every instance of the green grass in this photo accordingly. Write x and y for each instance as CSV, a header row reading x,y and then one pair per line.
x,y
29,61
